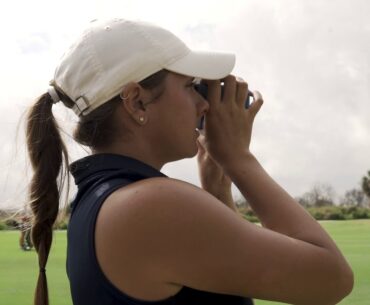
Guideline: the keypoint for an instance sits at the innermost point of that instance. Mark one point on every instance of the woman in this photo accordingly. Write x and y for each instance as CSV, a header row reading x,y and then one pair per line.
x,y
25,233
137,236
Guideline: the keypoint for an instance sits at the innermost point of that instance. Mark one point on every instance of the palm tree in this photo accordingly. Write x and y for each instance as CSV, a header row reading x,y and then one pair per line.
x,y
366,184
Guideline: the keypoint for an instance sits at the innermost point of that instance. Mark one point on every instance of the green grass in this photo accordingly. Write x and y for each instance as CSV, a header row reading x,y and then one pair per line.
x,y
18,269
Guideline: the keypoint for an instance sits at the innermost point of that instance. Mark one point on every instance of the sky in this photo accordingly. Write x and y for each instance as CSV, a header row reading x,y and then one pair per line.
x,y
309,59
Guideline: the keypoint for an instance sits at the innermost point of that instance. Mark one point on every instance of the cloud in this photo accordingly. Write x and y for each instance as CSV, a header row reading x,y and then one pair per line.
x,y
34,43
309,59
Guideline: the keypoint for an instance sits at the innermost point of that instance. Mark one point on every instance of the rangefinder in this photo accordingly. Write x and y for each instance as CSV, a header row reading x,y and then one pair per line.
x,y
203,91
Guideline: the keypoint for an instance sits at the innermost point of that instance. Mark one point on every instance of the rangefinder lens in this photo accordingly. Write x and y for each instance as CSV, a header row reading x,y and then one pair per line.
x,y
203,91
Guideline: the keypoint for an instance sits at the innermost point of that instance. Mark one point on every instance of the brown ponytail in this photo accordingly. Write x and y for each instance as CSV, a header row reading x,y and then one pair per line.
x,y
46,151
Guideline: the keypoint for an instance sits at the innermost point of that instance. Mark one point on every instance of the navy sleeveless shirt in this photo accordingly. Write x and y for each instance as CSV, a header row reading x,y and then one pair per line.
x,y
97,176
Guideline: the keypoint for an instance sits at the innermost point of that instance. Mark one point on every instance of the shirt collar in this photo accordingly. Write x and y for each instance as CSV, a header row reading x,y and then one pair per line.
x,y
108,163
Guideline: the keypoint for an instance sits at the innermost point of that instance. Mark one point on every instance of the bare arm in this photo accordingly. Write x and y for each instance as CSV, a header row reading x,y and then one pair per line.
x,y
227,138
180,234
226,197
277,210
213,178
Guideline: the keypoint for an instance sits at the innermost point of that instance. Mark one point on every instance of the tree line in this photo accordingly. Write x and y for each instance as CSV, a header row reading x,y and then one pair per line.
x,y
323,195
319,201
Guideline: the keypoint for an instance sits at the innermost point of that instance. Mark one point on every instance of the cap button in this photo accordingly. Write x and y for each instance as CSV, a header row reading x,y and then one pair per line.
x,y
107,28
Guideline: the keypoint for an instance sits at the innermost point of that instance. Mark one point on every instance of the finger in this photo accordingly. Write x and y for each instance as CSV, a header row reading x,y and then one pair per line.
x,y
202,152
229,89
257,104
214,93
201,149
241,92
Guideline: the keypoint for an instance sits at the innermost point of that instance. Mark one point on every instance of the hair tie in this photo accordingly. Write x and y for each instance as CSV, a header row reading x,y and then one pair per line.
x,y
54,95
42,270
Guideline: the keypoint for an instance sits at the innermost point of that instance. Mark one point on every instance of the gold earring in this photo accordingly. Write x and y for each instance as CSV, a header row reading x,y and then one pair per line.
x,y
141,119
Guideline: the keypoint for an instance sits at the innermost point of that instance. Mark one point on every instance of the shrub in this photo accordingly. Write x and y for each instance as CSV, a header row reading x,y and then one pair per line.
x,y
315,213
61,222
248,214
335,215
339,213
61,225
250,218
3,226
360,213
331,212
11,224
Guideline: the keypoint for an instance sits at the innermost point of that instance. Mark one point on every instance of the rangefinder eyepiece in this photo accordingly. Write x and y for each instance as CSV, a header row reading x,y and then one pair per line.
x,y
203,91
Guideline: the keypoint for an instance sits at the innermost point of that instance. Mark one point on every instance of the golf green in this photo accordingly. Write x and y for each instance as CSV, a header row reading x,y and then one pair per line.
x,y
18,269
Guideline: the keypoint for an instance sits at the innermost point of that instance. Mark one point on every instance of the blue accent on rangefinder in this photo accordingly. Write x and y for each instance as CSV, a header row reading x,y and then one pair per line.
x,y
203,91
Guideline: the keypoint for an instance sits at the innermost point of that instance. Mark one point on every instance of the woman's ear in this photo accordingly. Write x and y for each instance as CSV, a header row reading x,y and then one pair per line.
x,y
132,95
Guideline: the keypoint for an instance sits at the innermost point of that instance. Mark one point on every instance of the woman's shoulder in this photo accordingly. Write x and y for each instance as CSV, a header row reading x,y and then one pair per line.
x,y
121,235
167,182
155,182
128,233
163,188
166,231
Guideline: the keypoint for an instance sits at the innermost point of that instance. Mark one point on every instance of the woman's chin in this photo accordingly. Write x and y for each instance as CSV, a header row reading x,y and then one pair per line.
x,y
191,153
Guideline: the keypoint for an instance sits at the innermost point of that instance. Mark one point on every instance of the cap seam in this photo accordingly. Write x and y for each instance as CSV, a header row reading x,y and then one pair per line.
x,y
96,64
158,46
155,45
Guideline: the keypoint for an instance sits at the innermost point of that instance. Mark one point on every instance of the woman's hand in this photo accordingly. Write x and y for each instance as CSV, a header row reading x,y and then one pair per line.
x,y
228,125
212,176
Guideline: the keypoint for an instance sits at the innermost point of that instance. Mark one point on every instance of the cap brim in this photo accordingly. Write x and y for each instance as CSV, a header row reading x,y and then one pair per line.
x,y
206,65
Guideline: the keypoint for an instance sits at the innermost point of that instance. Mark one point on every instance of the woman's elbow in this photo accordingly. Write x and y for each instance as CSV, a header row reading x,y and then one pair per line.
x,y
348,281
343,284
337,281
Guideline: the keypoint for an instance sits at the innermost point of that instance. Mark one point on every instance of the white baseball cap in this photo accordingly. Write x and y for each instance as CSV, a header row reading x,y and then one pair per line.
x,y
112,53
